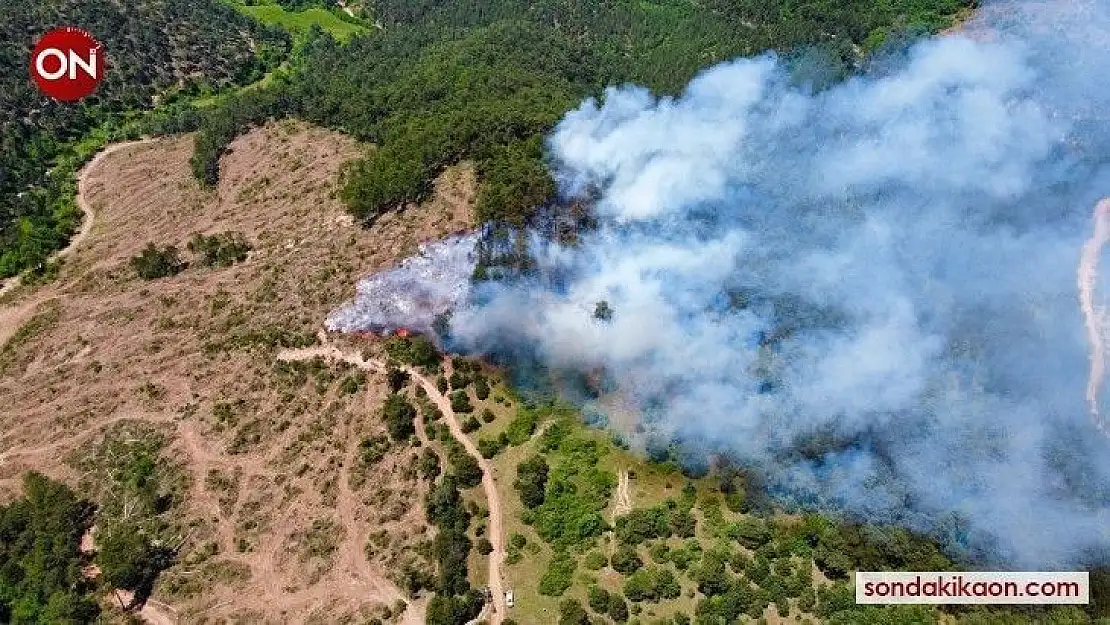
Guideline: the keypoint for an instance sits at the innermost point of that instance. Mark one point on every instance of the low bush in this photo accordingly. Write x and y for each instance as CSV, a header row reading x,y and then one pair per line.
x,y
460,402
220,250
155,262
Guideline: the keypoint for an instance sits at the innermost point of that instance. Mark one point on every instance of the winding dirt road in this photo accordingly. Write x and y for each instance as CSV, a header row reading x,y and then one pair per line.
x,y
83,203
14,316
495,531
1094,316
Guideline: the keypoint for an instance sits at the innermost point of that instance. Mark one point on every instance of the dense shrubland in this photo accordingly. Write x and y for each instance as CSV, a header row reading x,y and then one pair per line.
x,y
216,250
701,555
137,489
219,250
155,262
454,602
297,5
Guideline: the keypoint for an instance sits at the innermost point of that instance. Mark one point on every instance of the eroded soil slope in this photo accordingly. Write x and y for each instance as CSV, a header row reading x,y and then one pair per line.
x,y
284,519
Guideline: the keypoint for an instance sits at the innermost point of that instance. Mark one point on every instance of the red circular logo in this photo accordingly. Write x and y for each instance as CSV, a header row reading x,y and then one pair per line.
x,y
67,64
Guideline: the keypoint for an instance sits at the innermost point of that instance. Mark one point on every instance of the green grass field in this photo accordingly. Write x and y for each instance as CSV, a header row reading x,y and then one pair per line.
x,y
300,22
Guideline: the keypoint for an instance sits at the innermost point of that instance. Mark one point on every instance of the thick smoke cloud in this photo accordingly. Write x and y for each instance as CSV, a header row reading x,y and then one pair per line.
x,y
413,294
886,268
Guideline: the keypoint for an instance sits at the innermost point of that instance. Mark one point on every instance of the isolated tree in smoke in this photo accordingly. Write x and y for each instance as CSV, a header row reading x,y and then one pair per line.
x,y
603,311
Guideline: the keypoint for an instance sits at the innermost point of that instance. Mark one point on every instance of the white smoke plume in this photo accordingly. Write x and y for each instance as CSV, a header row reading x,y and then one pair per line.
x,y
889,264
413,294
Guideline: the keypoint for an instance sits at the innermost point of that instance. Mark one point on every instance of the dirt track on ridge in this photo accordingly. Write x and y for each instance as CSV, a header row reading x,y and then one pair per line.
x,y
496,522
1094,316
86,208
13,317
623,501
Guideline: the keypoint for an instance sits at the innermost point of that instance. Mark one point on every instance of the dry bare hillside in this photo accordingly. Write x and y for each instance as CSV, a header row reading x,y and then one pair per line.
x,y
280,507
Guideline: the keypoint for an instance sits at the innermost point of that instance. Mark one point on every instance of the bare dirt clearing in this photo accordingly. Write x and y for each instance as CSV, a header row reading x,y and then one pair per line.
x,y
276,531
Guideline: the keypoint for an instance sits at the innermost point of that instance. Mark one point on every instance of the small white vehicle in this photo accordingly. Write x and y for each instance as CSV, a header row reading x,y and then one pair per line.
x,y
509,598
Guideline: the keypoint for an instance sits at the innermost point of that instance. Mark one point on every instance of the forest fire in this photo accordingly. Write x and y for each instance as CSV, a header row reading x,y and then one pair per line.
x,y
407,299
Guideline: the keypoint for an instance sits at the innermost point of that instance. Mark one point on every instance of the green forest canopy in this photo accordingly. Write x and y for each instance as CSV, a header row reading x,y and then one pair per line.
x,y
40,560
446,80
